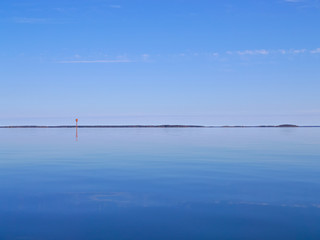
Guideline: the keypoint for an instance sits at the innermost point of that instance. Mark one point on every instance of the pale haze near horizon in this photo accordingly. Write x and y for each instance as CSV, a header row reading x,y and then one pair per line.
x,y
160,62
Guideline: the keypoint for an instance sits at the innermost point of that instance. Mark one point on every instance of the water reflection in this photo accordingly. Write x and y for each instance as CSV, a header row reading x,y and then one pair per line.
x,y
76,129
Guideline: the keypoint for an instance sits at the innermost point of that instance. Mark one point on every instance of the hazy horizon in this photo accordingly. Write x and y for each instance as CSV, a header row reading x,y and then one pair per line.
x,y
214,120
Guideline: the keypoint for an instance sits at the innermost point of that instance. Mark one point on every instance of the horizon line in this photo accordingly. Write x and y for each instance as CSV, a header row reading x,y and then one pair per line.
x,y
159,126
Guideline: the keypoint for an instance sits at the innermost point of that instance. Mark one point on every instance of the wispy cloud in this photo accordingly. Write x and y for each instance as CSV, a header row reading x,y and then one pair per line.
x,y
253,52
272,51
220,56
304,3
97,61
30,20
249,52
291,51
315,51
297,51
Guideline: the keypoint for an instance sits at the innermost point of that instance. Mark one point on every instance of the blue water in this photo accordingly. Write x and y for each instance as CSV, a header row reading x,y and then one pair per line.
x,y
160,184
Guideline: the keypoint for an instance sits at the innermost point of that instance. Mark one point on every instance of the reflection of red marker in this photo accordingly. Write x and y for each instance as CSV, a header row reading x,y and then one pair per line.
x,y
76,128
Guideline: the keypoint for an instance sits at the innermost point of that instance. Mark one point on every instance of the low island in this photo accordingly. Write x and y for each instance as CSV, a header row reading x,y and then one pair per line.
x,y
157,126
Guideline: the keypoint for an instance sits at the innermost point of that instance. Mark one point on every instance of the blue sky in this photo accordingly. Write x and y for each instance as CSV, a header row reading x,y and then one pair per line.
x,y
160,62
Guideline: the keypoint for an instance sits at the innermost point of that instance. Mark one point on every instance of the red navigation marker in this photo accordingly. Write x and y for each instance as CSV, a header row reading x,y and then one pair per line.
x,y
77,129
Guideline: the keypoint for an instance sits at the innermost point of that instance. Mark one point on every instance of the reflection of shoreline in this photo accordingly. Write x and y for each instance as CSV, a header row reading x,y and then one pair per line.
x,y
159,126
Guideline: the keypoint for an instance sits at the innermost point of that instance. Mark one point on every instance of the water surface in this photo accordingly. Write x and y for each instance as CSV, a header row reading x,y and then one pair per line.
x,y
160,183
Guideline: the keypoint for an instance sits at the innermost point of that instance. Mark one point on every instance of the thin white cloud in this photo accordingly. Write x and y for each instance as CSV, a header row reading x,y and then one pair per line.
x,y
145,57
292,51
297,51
304,3
251,52
315,51
271,51
97,61
30,20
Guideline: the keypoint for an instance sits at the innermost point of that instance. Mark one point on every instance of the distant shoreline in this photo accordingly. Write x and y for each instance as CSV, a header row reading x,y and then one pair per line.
x,y
157,126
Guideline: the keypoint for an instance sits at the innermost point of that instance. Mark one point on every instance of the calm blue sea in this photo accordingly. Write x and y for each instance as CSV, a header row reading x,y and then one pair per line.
x,y
259,183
